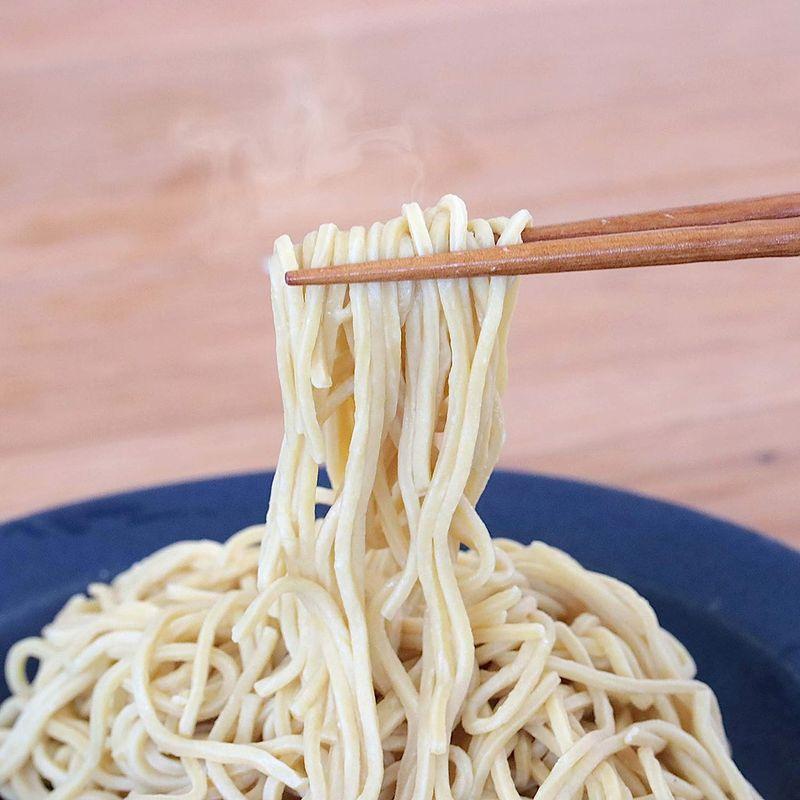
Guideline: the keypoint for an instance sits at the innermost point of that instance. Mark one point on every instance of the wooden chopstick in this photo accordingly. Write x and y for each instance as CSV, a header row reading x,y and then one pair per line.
x,y
659,246
777,206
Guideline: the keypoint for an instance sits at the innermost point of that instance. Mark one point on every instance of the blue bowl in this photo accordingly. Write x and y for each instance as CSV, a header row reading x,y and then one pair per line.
x,y
731,596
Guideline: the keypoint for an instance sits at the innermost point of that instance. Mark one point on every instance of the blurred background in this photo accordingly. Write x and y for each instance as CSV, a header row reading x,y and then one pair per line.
x,y
151,152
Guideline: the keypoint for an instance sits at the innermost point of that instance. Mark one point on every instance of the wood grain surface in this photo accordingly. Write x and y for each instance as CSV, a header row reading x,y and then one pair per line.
x,y
151,152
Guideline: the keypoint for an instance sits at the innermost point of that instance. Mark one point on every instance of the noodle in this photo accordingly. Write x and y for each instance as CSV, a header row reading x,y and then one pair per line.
x,y
389,648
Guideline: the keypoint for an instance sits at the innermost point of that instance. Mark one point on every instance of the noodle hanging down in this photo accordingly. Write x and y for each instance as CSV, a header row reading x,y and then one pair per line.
x,y
389,648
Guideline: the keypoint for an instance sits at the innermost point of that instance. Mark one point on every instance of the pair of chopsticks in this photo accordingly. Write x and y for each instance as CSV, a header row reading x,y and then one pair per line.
x,y
752,228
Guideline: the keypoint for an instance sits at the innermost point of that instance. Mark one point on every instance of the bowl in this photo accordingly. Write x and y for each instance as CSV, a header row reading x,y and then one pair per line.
x,y
731,596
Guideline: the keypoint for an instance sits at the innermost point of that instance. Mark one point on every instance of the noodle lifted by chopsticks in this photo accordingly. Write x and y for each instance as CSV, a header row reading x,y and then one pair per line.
x,y
390,648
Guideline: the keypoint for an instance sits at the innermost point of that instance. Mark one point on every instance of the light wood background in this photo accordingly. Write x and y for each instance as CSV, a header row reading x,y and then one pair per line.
x,y
150,152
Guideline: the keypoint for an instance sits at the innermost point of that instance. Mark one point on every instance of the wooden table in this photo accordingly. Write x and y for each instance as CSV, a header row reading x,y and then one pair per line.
x,y
151,153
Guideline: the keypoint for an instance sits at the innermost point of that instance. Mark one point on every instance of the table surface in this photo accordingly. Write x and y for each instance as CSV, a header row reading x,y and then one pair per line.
x,y
151,154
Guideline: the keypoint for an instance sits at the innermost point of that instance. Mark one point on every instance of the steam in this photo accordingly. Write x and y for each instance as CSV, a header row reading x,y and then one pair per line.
x,y
311,130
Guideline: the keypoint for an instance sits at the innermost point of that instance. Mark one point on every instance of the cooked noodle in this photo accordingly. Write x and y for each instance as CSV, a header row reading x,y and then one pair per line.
x,y
389,648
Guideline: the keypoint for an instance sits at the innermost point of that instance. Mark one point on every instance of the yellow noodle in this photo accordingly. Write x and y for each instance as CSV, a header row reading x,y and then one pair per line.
x,y
390,648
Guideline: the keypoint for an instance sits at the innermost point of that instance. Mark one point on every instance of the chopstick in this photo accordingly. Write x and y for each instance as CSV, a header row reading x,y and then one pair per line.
x,y
754,228
777,206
